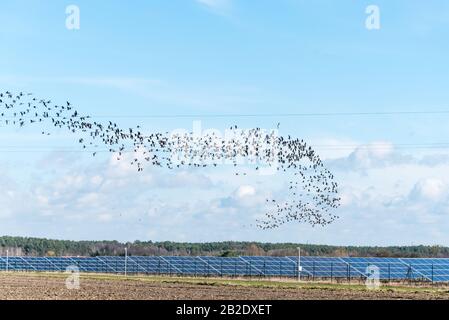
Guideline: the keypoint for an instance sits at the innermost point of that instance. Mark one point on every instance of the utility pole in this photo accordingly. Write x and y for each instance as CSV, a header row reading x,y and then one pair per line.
x,y
7,260
299,264
126,260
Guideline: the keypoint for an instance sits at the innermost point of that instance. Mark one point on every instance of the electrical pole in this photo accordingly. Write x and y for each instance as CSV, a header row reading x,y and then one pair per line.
x,y
299,264
126,260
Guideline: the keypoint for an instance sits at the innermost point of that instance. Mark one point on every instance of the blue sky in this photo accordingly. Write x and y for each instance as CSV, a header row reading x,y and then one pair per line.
x,y
207,57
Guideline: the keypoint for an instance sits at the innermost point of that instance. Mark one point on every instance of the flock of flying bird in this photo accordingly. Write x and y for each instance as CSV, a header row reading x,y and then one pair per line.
x,y
312,192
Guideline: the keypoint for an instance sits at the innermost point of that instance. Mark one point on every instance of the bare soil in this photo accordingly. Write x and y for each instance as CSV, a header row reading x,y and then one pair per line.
x,y
52,286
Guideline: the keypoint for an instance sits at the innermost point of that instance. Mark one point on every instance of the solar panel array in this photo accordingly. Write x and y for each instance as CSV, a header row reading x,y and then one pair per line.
x,y
428,269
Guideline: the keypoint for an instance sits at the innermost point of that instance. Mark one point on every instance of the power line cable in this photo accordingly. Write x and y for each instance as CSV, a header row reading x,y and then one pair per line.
x,y
283,115
436,145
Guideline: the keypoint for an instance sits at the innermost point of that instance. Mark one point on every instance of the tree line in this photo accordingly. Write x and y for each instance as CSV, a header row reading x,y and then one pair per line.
x,y
22,246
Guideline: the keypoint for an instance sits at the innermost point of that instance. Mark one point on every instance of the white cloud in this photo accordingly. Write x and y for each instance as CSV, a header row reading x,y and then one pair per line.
x,y
245,191
90,199
104,217
332,148
214,3
434,160
367,156
245,196
218,6
429,189
398,200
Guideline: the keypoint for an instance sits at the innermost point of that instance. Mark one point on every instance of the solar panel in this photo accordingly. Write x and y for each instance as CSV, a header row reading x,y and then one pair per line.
x,y
427,269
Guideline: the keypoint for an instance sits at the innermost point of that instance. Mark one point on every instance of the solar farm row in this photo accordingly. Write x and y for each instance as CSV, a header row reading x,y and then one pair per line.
x,y
434,270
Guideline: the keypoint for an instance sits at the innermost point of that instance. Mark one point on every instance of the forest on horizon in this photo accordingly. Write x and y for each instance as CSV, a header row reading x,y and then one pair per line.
x,y
23,246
